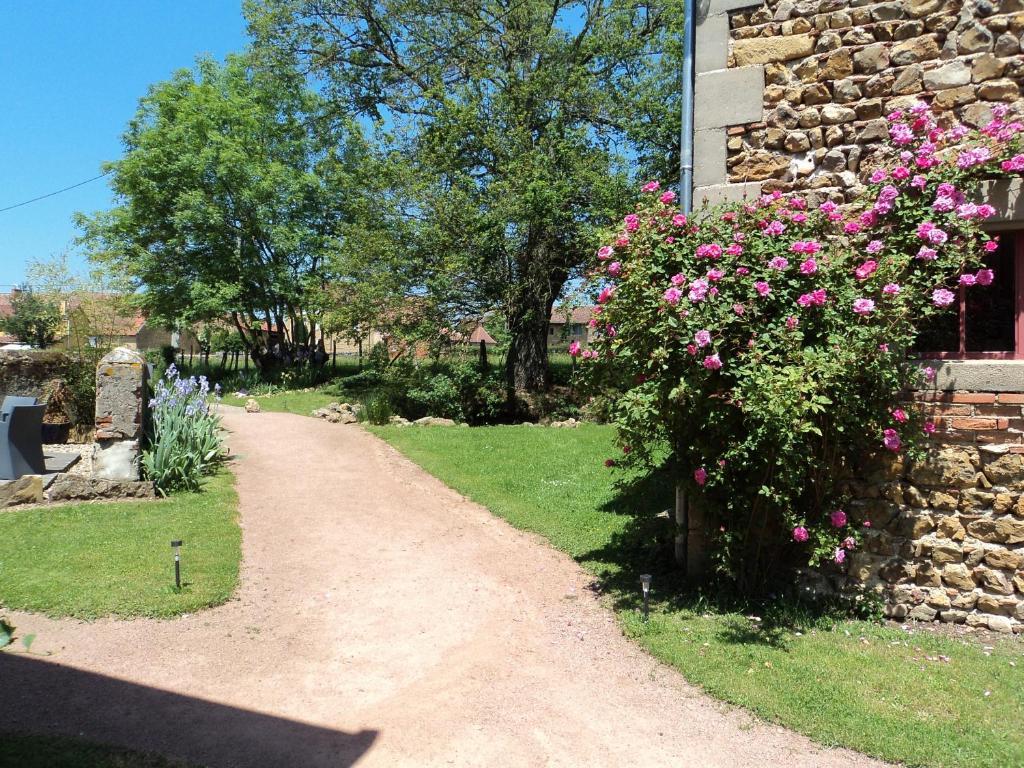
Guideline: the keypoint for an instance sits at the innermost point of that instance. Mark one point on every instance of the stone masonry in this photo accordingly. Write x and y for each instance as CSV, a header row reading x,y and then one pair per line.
x,y
121,382
810,83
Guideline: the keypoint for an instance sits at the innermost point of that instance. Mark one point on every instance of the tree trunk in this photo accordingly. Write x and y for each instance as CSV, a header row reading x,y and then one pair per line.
x,y
526,366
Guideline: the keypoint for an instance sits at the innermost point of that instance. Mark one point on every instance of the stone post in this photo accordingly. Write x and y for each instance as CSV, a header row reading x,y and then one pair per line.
x,y
691,536
121,399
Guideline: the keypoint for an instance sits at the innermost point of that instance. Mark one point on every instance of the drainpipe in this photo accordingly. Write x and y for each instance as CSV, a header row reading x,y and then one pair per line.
x,y
682,508
686,127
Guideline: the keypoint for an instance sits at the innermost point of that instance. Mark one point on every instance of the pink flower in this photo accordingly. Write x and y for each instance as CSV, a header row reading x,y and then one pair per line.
x,y
929,427
806,247
929,373
712,362
808,267
901,172
799,218
813,299
609,462
615,269
672,296
838,518
942,297
800,534
709,251
937,236
1015,163
878,176
863,306
605,252
985,276
679,220
891,289
924,228
651,186
972,157
874,246
828,207
678,279
778,263
698,291
927,254
742,271
839,556
691,349
891,439
968,279
622,241
700,475
866,270
762,288
986,211
792,322
775,227
714,275
606,294
632,222
883,347
738,309
734,249
667,197
900,415
574,349
702,337
849,543
851,227
867,523
919,182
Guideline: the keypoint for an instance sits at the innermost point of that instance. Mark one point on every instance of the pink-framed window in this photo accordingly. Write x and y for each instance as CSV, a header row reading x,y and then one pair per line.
x,y
989,322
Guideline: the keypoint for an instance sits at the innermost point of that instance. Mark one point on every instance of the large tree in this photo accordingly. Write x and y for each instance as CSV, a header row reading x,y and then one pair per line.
x,y
521,118
234,196
34,319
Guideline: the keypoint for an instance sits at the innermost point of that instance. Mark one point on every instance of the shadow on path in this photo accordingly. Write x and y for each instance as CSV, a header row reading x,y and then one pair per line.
x,y
105,710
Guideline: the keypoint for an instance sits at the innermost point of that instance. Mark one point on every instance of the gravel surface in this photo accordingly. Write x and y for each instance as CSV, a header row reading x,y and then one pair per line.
x,y
381,618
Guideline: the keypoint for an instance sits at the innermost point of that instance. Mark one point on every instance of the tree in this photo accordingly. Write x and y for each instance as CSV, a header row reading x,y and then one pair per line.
x,y
33,319
518,117
234,193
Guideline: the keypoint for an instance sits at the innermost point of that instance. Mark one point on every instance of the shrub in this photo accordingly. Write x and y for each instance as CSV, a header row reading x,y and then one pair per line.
x,y
768,344
463,392
185,442
378,409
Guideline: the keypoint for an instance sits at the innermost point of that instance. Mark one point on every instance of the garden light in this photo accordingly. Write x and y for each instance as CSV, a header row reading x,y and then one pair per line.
x,y
176,546
645,585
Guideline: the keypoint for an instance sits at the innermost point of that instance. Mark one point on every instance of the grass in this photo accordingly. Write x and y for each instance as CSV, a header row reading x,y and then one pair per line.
x,y
302,402
919,698
31,751
92,560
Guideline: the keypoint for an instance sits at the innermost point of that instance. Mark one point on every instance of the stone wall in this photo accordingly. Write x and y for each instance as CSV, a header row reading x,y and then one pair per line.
x,y
831,70
27,374
946,535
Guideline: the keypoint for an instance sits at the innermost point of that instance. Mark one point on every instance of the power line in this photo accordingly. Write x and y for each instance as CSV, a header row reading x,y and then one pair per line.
x,y
51,194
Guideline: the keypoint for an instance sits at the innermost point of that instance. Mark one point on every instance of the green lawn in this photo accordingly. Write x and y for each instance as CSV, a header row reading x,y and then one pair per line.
x,y
90,560
301,402
30,751
916,698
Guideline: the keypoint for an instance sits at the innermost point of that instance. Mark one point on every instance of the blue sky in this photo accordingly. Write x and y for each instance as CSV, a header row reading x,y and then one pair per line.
x,y
71,74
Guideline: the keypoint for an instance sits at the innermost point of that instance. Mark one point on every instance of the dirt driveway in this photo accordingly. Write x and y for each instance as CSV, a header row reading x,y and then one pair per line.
x,y
382,620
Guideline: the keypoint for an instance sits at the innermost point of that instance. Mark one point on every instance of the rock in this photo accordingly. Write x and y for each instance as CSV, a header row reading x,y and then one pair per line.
x,y
347,417
758,166
872,59
975,39
953,617
909,81
761,50
816,94
828,41
937,598
942,501
868,109
950,528
908,30
996,581
944,553
1006,44
952,75
434,421
837,66
987,67
974,500
922,613
833,114
999,90
1000,624
887,11
68,487
27,489
252,406
997,531
946,467
918,9
797,142
957,575
914,51
398,420
1002,504
965,600
810,118
846,90
954,97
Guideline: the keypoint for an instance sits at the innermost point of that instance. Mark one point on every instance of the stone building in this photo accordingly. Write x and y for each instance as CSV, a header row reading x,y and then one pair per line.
x,y
807,86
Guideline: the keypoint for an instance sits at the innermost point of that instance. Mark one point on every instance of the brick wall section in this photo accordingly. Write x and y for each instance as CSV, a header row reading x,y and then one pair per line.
x,y
975,417
834,68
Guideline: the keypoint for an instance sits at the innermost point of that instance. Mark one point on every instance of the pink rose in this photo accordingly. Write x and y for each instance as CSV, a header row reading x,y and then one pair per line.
x,y
700,475
667,197
678,279
891,289
651,186
800,534
762,288
968,279
605,252
679,220
985,276
778,263
839,556
838,518
712,362
702,337
863,306
808,267
792,322
615,269
942,297
574,349
891,439
632,222
672,296
874,246
900,415
866,270
849,543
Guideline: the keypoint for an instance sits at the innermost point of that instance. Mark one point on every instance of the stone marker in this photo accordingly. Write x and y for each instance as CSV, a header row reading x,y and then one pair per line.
x,y
121,397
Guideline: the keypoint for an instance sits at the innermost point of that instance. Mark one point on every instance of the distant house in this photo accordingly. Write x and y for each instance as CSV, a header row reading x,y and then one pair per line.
x,y
567,327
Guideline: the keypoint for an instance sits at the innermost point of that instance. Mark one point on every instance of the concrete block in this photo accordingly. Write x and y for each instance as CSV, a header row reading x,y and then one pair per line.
x,y
117,460
726,193
712,43
729,97
709,155
1007,196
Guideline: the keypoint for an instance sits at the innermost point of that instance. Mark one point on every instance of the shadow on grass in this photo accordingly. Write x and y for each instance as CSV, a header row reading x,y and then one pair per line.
x,y
647,545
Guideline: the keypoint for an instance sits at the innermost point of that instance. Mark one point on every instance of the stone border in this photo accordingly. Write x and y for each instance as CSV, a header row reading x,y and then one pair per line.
x,y
722,97
978,375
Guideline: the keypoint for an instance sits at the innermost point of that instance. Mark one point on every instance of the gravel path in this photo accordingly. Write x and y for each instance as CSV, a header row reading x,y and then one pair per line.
x,y
385,620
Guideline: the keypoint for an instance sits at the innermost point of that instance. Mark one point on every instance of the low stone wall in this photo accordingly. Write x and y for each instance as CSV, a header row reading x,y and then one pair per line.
x,y
946,535
27,374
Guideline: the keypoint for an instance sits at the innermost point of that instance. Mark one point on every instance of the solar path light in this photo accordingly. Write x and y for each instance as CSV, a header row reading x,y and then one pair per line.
x,y
645,585
176,546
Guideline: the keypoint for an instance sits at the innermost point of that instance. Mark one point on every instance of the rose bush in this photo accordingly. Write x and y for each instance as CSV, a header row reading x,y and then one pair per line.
x,y
768,344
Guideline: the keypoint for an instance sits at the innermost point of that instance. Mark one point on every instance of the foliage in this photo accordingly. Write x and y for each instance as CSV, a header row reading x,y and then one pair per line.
x,y
33,320
768,344
913,698
6,632
515,120
462,392
237,185
186,441
92,560
378,409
